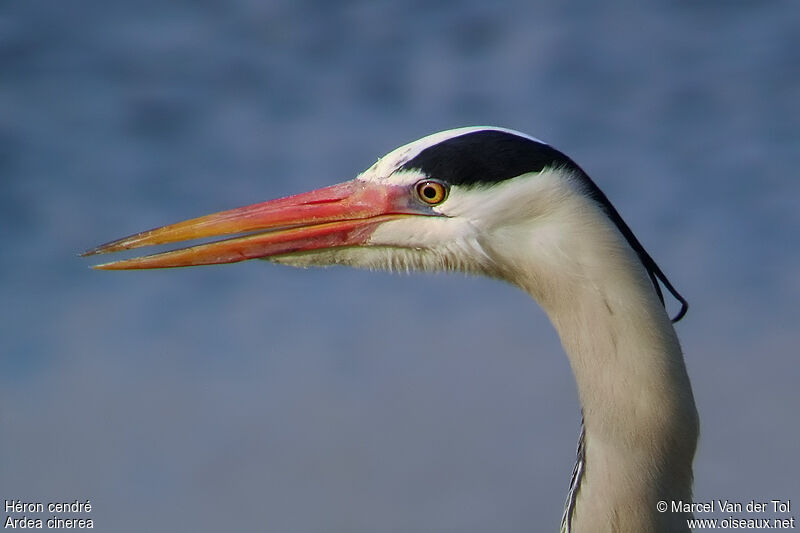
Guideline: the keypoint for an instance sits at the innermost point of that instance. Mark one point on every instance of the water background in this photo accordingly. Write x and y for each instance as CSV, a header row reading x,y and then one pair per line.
x,y
256,397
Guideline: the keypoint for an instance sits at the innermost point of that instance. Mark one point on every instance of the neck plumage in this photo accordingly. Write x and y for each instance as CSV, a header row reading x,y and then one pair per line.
x,y
640,420
641,424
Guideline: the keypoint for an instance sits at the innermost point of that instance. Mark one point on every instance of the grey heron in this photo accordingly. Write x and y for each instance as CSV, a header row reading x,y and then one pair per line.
x,y
496,202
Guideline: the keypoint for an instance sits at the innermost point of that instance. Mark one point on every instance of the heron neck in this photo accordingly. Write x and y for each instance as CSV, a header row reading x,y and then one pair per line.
x,y
639,414
641,424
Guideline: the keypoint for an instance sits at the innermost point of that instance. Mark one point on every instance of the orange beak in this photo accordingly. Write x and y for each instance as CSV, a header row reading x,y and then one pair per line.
x,y
340,215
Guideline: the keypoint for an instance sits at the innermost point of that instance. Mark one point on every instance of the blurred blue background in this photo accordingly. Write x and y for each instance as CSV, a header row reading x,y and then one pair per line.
x,y
258,397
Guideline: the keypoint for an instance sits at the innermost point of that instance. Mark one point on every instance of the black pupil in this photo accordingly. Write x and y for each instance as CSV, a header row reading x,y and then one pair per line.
x,y
429,192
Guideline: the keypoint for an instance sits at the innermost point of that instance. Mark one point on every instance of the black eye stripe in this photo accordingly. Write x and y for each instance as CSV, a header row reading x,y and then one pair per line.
x,y
485,156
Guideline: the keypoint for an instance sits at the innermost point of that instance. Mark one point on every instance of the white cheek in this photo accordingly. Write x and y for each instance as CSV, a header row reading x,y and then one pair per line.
x,y
420,232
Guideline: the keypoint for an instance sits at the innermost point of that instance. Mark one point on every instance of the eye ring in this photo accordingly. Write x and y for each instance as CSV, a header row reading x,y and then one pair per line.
x,y
431,192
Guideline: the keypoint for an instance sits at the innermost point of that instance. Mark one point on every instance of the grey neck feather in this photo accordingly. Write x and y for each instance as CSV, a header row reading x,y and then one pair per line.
x,y
640,423
640,419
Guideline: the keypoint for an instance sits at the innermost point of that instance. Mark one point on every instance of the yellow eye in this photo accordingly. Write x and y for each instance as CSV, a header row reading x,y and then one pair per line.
x,y
431,192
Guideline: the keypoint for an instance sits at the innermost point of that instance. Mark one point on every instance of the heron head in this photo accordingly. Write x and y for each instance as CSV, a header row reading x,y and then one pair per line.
x,y
482,200
427,205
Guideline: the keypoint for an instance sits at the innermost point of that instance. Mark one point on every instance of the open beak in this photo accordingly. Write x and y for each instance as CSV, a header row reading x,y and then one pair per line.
x,y
340,215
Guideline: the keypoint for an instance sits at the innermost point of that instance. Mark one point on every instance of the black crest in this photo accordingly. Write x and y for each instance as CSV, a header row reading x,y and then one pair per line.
x,y
491,156
486,156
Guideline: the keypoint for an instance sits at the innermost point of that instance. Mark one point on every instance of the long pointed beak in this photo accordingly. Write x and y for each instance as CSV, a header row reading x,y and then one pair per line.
x,y
340,215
